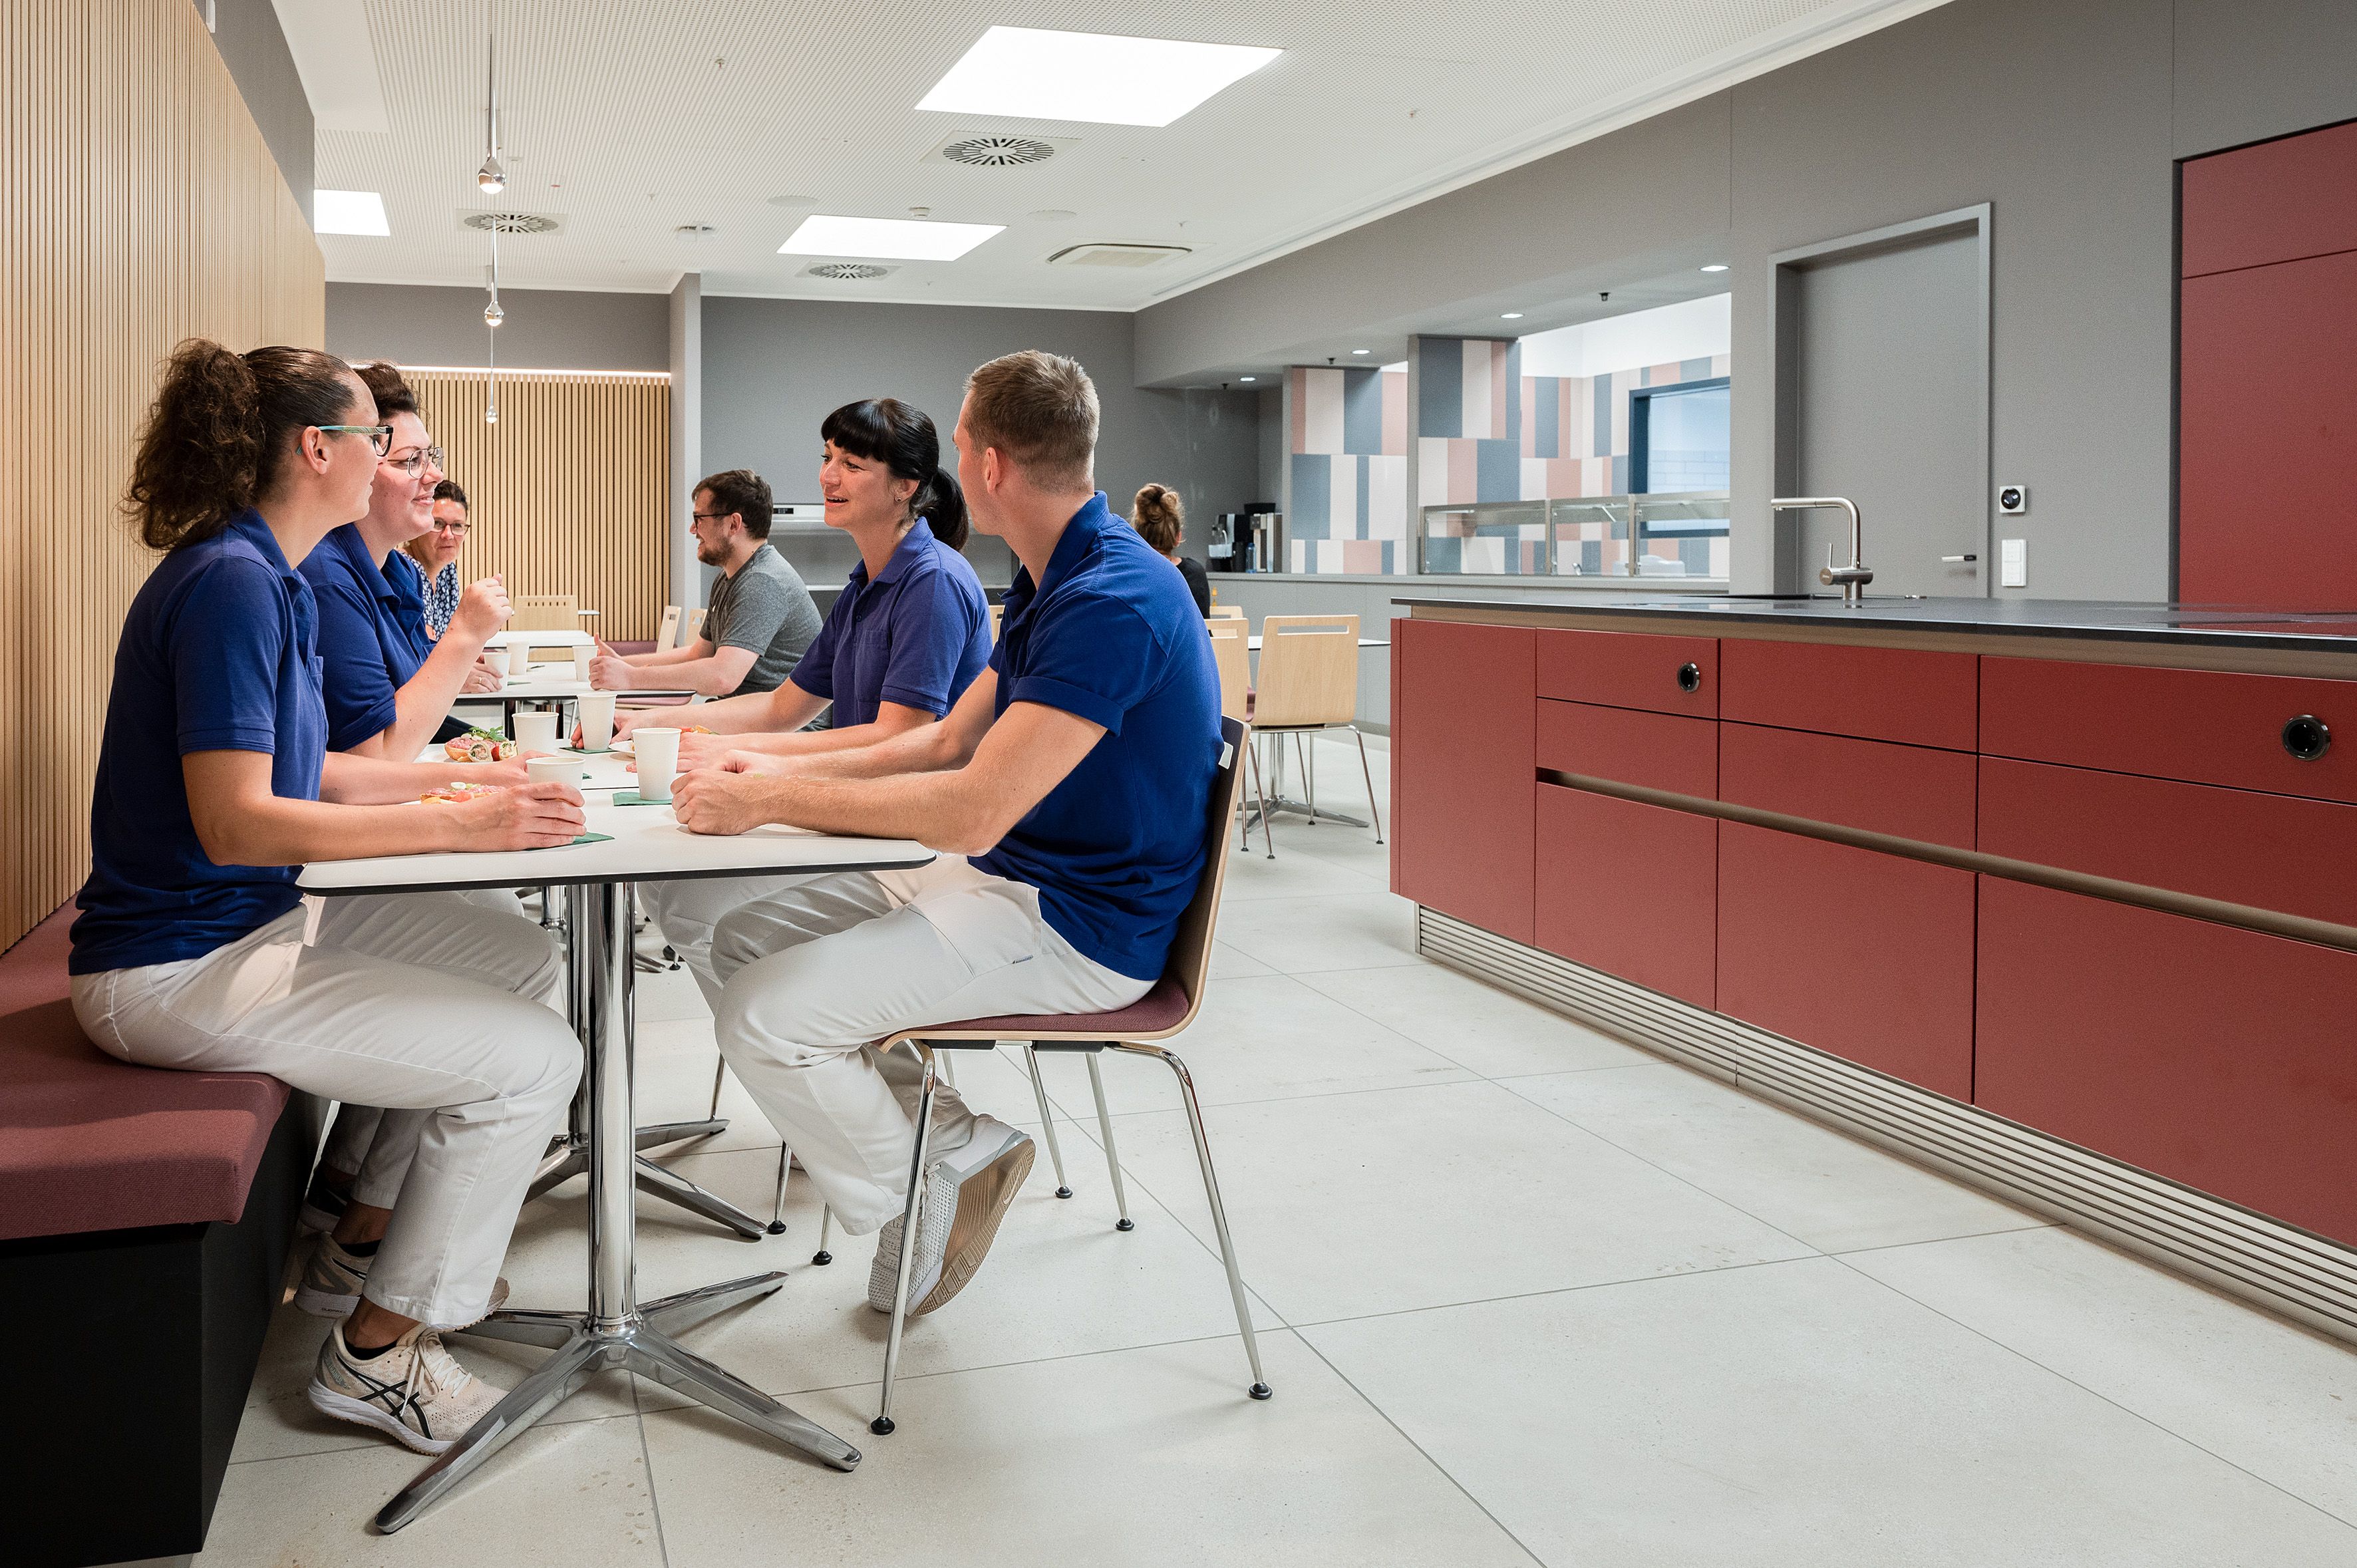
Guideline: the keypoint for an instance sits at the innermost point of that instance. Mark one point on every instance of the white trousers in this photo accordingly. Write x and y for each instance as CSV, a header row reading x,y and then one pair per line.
x,y
686,909
814,974
425,1003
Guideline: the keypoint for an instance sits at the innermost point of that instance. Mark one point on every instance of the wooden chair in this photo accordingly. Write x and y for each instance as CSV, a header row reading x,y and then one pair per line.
x,y
997,613
1309,681
545,612
1224,612
1161,1013
1231,652
691,628
667,636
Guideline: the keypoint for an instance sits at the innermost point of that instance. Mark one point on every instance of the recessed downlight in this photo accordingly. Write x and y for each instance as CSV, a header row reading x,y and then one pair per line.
x,y
1361,350
1511,315
1715,267
889,238
1247,378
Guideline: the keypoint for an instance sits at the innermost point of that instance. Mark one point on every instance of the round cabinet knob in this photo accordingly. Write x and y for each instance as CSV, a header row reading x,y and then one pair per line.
x,y
2308,737
1689,677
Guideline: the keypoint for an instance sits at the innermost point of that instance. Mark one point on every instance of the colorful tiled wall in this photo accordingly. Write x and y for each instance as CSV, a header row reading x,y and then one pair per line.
x,y
1575,428
1469,427
1348,508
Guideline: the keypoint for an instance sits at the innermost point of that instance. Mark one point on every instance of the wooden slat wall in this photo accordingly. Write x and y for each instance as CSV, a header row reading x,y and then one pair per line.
x,y
570,490
142,207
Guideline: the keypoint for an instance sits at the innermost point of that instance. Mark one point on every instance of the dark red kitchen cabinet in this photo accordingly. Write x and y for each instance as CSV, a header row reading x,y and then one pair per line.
x,y
1910,695
1631,890
1874,786
2277,201
1868,956
2267,436
2211,1054
1462,770
1658,751
1631,669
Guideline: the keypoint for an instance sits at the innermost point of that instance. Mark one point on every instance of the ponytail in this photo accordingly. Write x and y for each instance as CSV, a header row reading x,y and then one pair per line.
x,y
217,430
942,506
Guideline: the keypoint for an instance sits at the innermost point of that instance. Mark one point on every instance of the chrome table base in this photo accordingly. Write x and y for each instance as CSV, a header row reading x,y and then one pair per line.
x,y
617,1332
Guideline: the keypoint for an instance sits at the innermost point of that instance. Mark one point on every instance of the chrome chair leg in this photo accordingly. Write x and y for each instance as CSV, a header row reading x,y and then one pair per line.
x,y
719,1072
1374,812
1046,1122
821,1257
1113,1159
911,1215
1267,823
777,1212
948,1070
1305,749
1260,1388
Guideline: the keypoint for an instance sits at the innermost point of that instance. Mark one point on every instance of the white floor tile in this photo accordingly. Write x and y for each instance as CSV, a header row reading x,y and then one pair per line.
x,y
1301,936
1488,1031
2254,1391
1356,1203
1142,1458
1798,1414
575,1493
1809,1181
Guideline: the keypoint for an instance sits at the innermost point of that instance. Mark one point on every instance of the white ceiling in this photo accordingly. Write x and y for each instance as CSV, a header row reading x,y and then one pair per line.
x,y
626,119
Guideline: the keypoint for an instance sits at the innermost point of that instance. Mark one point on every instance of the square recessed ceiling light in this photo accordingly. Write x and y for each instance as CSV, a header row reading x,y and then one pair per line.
x,y
889,239
1034,74
348,212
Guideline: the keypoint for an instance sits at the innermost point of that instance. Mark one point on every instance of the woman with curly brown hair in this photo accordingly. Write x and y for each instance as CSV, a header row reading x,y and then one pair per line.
x,y
215,786
1161,517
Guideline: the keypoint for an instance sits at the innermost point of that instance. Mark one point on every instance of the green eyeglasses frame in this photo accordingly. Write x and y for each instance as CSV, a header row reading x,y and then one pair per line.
x,y
380,436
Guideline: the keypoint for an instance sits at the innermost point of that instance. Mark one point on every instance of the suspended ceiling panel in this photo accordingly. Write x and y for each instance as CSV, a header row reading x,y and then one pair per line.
x,y
629,121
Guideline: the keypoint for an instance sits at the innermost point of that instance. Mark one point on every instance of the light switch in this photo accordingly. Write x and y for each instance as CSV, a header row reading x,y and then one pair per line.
x,y
2013,563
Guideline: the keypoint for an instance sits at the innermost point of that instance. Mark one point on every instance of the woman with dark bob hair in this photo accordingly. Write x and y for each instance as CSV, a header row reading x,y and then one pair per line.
x,y
908,635
215,786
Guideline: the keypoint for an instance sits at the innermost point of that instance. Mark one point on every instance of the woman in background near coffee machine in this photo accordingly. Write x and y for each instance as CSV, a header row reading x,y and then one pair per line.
x,y
1161,517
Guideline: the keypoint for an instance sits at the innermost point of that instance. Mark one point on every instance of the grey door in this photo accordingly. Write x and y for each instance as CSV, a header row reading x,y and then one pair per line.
x,y
1890,409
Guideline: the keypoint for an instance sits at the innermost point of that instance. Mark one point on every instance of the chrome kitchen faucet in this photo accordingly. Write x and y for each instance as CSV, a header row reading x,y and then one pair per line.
x,y
1852,579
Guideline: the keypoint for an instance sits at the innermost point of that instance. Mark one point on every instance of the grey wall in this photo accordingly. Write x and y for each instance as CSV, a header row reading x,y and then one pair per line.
x,y
2065,115
247,33
545,329
773,368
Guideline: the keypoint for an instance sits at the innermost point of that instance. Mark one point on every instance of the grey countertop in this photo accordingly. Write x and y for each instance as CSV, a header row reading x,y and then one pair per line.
x,y
2195,625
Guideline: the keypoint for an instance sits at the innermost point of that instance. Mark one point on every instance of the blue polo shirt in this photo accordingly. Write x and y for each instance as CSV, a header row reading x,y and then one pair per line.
x,y
917,635
1116,848
363,638
408,580
217,654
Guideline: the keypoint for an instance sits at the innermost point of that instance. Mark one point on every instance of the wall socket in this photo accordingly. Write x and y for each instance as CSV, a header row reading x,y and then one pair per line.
x,y
2013,563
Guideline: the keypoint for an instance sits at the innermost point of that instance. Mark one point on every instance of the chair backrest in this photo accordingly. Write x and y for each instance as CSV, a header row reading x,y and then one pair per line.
x,y
669,636
997,613
691,628
1231,653
1309,670
544,612
1189,963
1224,612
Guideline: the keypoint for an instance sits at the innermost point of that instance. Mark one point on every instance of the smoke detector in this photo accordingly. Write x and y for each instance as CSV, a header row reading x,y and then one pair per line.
x,y
1114,255
848,272
510,222
991,151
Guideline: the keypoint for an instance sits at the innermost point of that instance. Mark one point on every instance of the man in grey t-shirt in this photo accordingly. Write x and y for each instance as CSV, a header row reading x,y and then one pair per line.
x,y
761,616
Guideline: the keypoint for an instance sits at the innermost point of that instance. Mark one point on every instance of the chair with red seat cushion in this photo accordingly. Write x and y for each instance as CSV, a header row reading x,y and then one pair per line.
x,y
1164,1011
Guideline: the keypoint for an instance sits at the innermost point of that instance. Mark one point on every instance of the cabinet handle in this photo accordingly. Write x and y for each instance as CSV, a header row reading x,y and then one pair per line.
x,y
2307,738
1689,677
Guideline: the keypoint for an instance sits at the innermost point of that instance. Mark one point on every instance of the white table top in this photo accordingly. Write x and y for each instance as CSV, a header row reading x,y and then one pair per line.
x,y
602,770
541,640
647,846
1252,642
555,682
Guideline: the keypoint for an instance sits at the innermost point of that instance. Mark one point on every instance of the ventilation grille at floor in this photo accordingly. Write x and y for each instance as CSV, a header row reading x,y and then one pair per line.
x,y
2290,1270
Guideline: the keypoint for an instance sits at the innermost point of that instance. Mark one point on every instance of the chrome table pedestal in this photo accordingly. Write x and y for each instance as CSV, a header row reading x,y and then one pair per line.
x,y
618,1331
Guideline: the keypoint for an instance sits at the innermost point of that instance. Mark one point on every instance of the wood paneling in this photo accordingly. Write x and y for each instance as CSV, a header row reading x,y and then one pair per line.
x,y
143,207
570,490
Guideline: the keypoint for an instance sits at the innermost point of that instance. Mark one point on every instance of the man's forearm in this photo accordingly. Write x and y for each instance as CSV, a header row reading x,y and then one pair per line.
x,y
922,750
930,808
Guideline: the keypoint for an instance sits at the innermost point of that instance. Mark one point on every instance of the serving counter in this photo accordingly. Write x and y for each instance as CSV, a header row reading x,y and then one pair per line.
x,y
2057,897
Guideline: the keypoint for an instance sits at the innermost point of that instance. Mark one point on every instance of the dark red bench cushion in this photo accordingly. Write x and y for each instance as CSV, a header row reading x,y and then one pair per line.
x,y
88,1142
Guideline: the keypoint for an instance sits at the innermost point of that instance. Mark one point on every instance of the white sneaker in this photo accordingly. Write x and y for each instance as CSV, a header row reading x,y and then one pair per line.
x,y
966,1194
330,1286
415,1391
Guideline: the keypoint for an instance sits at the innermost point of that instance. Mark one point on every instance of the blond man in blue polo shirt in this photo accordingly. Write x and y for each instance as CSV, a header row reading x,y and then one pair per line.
x,y
1067,790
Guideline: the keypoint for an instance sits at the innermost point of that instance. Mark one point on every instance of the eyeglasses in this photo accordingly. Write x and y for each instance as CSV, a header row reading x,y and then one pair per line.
x,y
415,460
458,528
380,436
710,516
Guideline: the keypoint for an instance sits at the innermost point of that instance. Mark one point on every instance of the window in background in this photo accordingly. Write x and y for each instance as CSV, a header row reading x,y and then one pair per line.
x,y
1679,438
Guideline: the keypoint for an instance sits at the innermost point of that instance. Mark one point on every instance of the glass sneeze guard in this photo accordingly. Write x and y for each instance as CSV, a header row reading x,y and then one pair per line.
x,y
1680,535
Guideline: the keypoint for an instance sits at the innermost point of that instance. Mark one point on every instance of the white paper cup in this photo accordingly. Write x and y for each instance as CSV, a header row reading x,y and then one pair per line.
x,y
536,729
553,770
497,658
581,657
596,720
658,755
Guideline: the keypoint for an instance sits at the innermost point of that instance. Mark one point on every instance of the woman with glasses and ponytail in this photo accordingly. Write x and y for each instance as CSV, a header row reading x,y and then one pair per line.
x,y
908,635
215,784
